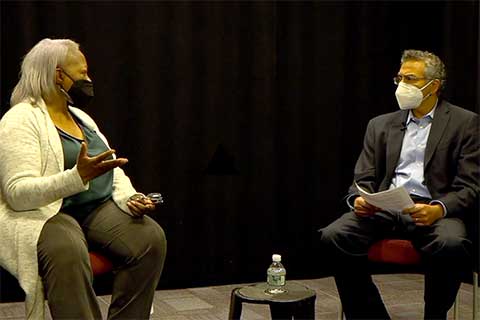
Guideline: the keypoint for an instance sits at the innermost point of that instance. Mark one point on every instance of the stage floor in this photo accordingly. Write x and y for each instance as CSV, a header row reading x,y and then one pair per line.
x,y
402,293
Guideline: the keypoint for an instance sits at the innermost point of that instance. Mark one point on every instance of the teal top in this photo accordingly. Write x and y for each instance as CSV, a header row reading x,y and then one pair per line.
x,y
80,205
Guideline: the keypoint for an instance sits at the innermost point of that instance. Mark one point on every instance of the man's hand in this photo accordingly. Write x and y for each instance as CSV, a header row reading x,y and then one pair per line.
x,y
140,205
425,214
92,167
364,209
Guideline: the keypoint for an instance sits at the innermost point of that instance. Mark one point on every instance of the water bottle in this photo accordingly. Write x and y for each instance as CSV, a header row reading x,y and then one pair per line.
x,y
276,275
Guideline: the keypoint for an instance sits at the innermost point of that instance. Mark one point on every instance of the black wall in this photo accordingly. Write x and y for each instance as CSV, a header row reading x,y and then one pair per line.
x,y
247,116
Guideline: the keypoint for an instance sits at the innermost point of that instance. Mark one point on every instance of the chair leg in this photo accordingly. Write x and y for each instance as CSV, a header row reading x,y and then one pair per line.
x,y
456,305
475,297
474,302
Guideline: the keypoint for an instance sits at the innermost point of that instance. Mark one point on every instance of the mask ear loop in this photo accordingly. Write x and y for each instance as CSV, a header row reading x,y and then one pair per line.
x,y
428,95
65,93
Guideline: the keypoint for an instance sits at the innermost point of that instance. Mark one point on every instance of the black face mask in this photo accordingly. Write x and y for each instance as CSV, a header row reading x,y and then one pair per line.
x,y
80,93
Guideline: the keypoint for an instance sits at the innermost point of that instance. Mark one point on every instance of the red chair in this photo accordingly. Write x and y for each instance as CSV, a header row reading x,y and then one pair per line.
x,y
395,251
402,252
100,264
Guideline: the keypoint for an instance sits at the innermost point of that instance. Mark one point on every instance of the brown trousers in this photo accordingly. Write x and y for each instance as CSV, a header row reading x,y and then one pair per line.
x,y
136,246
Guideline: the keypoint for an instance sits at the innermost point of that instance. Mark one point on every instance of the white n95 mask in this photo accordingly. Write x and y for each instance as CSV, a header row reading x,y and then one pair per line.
x,y
409,96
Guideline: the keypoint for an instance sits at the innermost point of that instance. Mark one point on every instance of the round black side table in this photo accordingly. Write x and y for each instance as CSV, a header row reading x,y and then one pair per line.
x,y
298,302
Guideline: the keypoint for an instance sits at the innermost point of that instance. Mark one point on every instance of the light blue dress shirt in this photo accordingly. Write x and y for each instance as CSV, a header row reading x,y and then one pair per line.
x,y
409,171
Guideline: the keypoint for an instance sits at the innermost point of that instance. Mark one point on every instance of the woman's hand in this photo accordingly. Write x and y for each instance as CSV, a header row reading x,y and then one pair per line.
x,y
140,205
92,167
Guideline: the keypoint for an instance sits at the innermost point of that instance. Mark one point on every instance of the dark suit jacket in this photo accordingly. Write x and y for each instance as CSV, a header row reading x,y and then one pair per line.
x,y
452,155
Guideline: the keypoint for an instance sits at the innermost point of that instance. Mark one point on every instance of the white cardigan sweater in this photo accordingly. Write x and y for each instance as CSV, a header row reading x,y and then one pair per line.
x,y
33,183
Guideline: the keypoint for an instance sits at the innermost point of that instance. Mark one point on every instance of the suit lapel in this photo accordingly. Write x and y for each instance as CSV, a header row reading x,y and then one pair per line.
x,y
394,142
440,121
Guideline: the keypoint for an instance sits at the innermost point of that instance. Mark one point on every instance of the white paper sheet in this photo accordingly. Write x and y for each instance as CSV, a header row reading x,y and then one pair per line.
x,y
394,200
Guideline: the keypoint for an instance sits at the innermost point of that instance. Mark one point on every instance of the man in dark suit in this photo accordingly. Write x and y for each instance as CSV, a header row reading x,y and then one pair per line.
x,y
430,147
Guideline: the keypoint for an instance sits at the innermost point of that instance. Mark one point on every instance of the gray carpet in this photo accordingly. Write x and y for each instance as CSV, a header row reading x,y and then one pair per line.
x,y
402,293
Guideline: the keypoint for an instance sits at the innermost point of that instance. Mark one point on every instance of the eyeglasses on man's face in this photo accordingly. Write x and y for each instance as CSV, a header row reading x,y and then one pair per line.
x,y
407,79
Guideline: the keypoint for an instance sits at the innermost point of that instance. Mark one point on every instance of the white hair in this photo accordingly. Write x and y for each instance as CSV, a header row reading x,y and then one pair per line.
x,y
37,74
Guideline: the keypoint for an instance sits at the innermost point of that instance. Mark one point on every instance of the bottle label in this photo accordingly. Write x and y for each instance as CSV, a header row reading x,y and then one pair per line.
x,y
276,280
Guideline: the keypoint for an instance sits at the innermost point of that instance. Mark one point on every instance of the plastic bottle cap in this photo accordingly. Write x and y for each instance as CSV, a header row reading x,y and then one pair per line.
x,y
276,257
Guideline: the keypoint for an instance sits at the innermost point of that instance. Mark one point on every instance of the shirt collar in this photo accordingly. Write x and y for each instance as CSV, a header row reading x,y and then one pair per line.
x,y
428,116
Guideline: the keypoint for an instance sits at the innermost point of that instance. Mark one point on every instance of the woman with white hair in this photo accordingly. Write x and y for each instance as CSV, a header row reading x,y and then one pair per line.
x,y
62,191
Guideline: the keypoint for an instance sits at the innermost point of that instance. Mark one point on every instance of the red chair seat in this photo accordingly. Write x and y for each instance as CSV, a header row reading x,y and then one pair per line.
x,y
394,251
100,264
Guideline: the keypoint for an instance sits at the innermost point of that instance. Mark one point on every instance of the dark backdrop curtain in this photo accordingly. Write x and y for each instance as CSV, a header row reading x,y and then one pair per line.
x,y
247,116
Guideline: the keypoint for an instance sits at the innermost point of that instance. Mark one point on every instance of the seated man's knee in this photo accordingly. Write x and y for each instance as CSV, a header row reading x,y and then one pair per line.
x,y
329,236
448,245
346,237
